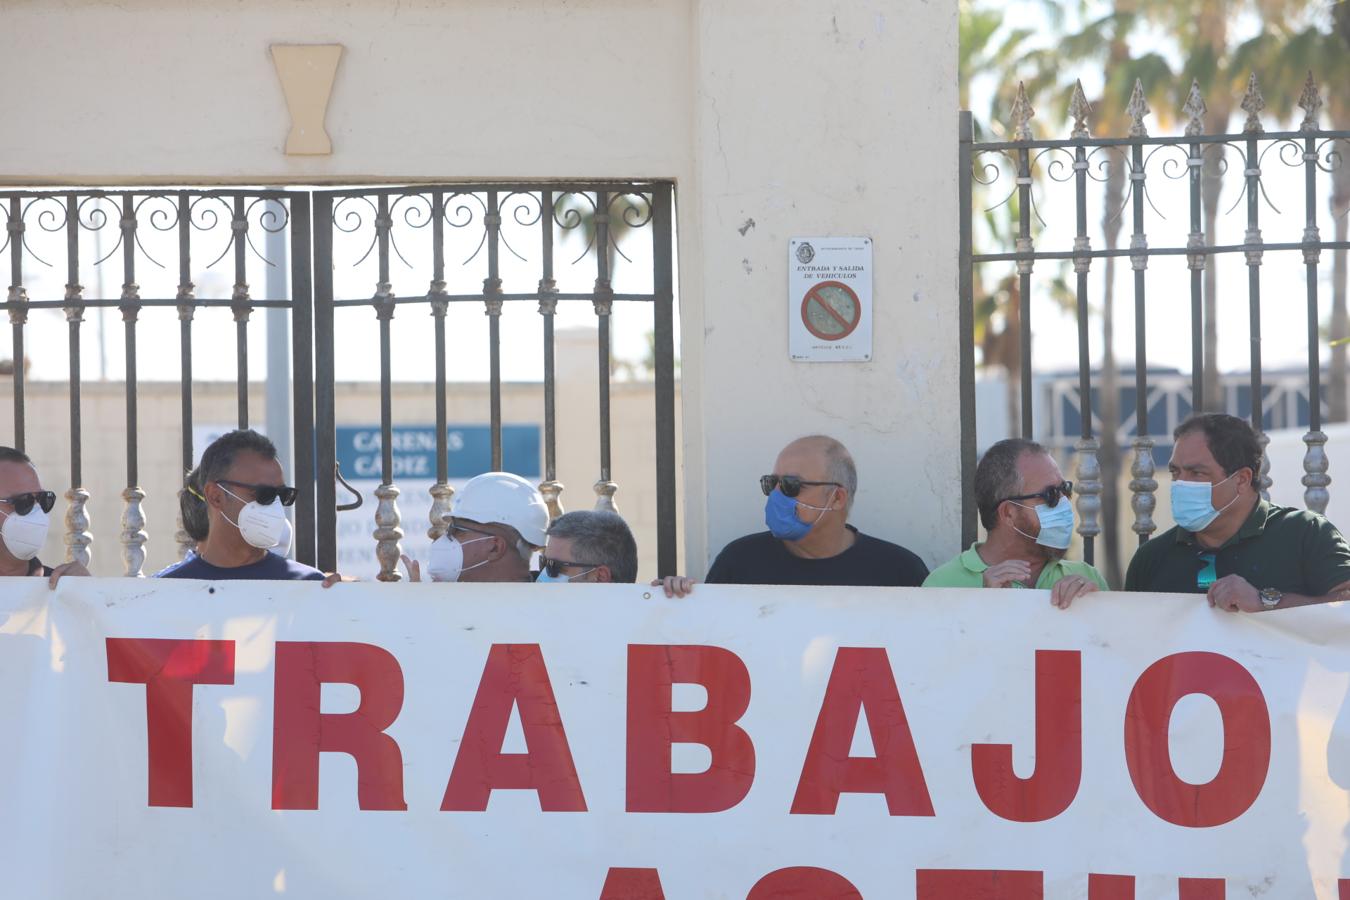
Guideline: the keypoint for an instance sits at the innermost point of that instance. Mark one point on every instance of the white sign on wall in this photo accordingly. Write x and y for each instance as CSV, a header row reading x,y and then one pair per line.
x,y
830,299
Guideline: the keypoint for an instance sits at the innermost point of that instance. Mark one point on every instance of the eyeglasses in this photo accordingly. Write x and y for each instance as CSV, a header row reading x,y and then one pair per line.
x,y
266,493
554,567
23,503
1050,495
790,485
1207,574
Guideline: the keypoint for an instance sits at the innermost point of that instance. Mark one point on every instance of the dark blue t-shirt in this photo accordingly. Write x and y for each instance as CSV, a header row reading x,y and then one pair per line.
x,y
270,568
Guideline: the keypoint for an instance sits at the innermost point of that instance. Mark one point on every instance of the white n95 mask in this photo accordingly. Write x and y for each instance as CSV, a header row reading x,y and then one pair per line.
x,y
24,535
261,526
446,559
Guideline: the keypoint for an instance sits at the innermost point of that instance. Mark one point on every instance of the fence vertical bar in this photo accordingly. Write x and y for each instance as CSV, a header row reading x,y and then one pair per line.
x,y
663,287
1253,103
239,304
387,532
133,516
302,374
325,436
441,492
77,536
1195,109
1142,483
187,305
1315,462
551,488
966,327
492,300
18,314
1089,467
603,301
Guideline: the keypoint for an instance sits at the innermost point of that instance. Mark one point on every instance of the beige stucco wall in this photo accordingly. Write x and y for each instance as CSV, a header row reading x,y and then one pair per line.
x,y
805,116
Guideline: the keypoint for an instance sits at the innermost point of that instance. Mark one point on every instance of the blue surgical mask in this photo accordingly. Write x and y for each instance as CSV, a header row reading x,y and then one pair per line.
x,y
1193,504
1056,524
545,578
780,514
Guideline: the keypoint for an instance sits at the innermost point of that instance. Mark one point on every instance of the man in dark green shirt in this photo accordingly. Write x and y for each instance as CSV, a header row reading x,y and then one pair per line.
x,y
1244,553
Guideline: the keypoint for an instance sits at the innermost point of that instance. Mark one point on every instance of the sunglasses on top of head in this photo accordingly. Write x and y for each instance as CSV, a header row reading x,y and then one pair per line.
x,y
23,503
790,485
266,493
1050,495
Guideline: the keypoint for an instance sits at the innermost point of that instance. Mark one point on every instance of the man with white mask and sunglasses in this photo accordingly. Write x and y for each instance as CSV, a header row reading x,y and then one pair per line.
x,y
25,521
1026,509
1244,553
497,522
233,505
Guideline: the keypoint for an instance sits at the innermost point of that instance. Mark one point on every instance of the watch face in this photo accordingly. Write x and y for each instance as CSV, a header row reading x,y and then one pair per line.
x,y
1270,597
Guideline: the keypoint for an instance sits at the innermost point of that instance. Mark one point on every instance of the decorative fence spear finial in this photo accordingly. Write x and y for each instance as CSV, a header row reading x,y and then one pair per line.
x,y
1079,110
1195,110
1137,110
1310,101
1252,104
1022,114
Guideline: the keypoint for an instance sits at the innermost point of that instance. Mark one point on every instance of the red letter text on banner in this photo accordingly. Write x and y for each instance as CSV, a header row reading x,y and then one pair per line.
x,y
169,669
300,732
1110,887
514,676
803,882
653,728
1246,739
989,884
632,884
1059,748
862,682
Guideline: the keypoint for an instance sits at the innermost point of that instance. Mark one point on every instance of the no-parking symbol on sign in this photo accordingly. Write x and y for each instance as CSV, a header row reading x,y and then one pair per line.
x,y
830,299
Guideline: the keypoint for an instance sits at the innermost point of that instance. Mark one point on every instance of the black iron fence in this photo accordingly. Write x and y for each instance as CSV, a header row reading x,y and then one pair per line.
x,y
1036,166
408,226
142,226
490,223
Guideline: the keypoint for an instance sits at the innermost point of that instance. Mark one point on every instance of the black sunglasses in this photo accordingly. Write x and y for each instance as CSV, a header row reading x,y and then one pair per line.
x,y
266,493
554,567
790,485
1050,495
23,503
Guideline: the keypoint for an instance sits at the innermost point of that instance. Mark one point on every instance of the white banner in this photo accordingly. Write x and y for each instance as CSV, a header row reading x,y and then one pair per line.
x,y
244,740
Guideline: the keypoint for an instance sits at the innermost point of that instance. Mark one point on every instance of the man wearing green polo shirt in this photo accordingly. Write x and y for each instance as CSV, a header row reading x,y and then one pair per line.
x,y
1244,553
1025,507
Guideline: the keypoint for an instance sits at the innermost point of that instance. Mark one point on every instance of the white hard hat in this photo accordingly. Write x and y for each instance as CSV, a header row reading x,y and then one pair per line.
x,y
503,499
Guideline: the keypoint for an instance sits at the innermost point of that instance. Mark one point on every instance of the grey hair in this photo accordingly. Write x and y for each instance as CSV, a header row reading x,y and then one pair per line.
x,y
600,537
839,466
997,478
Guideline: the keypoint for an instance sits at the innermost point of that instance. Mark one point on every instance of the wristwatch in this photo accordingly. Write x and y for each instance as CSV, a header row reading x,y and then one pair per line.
x,y
1270,598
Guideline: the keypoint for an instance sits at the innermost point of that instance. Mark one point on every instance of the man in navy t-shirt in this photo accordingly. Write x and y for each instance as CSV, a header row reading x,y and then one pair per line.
x,y
809,540
233,506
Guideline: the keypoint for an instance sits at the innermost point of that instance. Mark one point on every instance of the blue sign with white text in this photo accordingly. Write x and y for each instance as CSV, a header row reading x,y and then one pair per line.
x,y
468,449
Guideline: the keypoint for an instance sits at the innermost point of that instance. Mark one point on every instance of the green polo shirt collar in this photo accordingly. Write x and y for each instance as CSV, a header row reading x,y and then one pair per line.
x,y
1051,572
1255,526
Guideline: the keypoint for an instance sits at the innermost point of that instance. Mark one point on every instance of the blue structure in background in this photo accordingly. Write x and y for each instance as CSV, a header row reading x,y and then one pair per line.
x,y
469,451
